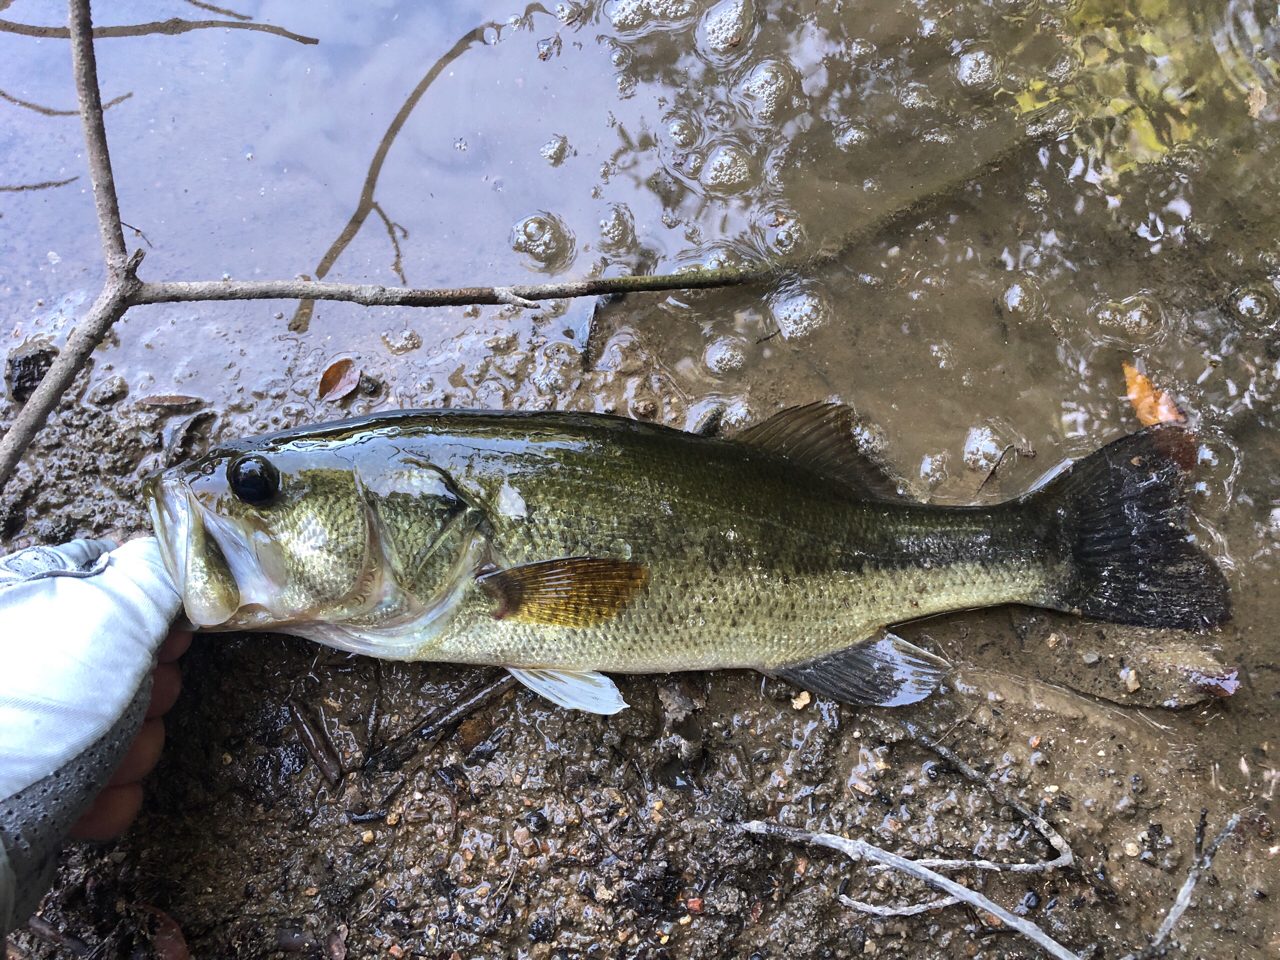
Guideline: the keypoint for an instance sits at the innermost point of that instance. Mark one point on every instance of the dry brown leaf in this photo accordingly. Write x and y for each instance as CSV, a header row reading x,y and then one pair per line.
x,y
1151,405
167,938
339,379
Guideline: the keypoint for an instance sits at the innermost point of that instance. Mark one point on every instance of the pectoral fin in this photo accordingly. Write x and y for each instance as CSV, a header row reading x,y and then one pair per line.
x,y
577,690
885,671
565,592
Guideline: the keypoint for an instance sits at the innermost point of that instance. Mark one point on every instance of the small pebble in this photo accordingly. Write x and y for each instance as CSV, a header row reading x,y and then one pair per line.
x,y
1131,849
1090,658
367,836
802,701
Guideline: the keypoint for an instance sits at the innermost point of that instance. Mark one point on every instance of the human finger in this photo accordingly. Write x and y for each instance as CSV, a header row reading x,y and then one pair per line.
x,y
165,687
174,646
109,814
143,755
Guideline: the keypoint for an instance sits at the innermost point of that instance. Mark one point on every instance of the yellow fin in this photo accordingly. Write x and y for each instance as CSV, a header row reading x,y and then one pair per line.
x,y
565,592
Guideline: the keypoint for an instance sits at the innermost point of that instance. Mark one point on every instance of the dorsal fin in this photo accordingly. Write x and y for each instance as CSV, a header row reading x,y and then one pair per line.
x,y
821,436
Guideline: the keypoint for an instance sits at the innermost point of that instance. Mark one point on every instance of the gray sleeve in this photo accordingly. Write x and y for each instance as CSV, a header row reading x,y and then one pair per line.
x,y
34,822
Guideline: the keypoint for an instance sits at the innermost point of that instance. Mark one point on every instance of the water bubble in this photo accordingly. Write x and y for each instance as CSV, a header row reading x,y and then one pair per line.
x,y
1253,304
916,96
933,468
555,150
545,239
649,14
568,12
981,449
799,309
782,228
1023,299
683,131
726,28
850,136
977,69
1137,317
727,169
618,229
768,88
724,355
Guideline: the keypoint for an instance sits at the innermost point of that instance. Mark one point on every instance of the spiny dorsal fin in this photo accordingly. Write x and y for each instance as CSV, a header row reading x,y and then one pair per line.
x,y
820,435
566,591
884,671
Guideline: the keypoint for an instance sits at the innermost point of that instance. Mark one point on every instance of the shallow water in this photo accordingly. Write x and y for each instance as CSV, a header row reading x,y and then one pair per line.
x,y
979,212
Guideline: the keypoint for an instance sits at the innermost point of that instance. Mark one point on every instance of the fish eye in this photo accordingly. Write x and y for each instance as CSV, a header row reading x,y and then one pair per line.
x,y
253,480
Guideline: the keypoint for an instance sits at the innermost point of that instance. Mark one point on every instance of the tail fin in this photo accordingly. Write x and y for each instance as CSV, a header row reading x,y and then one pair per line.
x,y
1124,519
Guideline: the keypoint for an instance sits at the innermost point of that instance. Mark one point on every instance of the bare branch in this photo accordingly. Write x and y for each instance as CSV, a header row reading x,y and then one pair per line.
x,y
1042,826
222,10
373,295
85,66
109,308
861,850
50,112
302,316
171,27
121,268
38,186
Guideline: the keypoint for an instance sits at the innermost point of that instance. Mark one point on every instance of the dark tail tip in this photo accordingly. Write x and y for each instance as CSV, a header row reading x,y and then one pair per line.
x,y
1124,512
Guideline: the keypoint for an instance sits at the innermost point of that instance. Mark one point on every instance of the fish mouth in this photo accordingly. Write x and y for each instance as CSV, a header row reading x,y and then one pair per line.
x,y
214,560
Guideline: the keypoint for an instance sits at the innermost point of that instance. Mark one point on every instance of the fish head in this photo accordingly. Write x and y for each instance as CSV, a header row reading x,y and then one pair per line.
x,y
271,533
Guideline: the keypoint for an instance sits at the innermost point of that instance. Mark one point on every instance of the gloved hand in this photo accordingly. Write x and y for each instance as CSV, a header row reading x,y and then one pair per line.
x,y
81,627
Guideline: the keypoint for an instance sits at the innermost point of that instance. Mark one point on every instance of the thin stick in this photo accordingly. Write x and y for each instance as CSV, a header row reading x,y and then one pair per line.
x,y
121,269
375,295
395,754
1184,895
861,850
1051,836
171,28
22,187
84,63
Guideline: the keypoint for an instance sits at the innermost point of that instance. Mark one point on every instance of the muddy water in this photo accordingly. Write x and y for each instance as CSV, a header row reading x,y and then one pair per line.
x,y
979,213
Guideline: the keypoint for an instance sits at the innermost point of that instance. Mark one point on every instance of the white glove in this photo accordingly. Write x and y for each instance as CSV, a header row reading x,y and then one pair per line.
x,y
79,630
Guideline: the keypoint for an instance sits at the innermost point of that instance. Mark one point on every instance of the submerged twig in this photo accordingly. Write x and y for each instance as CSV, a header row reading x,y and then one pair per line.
x,y
22,187
861,850
1183,900
428,732
51,112
171,27
316,740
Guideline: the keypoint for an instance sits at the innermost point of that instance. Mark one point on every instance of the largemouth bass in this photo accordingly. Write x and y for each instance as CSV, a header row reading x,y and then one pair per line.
x,y
559,545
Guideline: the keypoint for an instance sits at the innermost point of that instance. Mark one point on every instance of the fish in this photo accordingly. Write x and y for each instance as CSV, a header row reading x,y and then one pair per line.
x,y
564,546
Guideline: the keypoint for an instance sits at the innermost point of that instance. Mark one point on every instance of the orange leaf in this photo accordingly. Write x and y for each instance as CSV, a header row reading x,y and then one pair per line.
x,y
339,379
1151,405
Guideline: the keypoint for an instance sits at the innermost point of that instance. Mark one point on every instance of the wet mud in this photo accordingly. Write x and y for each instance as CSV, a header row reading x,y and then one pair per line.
x,y
981,213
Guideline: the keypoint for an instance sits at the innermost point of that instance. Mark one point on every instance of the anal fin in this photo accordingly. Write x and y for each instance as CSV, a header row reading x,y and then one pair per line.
x,y
566,591
574,689
884,671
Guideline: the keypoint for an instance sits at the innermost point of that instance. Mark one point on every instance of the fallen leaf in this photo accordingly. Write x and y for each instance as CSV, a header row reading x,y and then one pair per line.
x,y
171,401
167,938
340,379
1151,405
